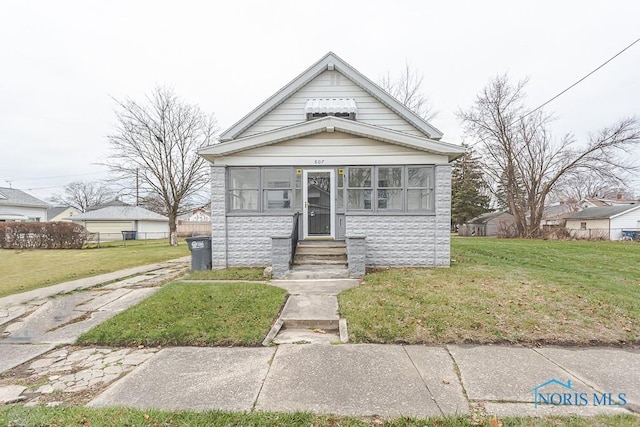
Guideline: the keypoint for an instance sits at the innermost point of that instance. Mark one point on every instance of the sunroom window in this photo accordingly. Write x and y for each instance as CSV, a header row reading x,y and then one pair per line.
x,y
390,194
243,189
420,189
359,189
277,188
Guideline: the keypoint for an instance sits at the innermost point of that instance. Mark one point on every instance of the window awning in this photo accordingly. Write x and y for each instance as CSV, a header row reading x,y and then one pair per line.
x,y
331,106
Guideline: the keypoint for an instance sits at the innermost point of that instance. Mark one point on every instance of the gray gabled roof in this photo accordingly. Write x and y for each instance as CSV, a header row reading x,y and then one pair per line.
x,y
486,217
55,211
15,197
603,212
330,61
120,213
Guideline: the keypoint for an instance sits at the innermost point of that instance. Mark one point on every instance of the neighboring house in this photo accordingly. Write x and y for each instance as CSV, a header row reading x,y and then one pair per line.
x,y
606,222
332,155
114,202
554,215
16,205
194,223
490,224
61,213
599,202
112,221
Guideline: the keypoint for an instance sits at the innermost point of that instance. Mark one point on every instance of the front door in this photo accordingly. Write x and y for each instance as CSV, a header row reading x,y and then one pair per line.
x,y
318,195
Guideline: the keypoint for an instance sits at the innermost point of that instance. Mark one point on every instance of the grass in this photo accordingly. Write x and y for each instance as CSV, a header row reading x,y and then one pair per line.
x,y
232,273
18,415
212,314
26,270
518,291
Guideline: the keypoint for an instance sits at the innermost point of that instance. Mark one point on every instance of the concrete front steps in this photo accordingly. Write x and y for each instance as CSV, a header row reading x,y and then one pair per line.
x,y
319,259
310,315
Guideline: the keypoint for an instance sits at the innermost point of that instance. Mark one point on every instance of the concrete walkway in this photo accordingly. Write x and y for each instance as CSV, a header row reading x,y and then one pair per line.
x,y
59,314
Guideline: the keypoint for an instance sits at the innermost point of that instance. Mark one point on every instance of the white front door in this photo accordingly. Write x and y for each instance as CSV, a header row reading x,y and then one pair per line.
x,y
318,203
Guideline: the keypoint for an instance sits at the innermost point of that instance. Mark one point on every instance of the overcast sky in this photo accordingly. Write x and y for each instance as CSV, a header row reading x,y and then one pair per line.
x,y
62,61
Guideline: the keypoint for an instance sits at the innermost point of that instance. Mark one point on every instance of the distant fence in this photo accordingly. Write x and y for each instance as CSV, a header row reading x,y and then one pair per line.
x,y
95,239
605,234
188,229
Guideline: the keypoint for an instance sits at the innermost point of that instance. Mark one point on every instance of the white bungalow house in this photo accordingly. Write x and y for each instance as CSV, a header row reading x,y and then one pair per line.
x,y
16,205
332,156
606,222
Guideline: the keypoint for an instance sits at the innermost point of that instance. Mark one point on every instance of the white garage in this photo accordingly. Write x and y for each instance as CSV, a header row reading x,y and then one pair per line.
x,y
118,222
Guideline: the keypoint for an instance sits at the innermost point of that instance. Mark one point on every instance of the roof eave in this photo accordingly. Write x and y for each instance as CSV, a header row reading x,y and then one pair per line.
x,y
332,124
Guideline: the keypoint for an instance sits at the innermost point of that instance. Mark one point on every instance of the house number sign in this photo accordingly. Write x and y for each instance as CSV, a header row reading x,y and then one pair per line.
x,y
318,162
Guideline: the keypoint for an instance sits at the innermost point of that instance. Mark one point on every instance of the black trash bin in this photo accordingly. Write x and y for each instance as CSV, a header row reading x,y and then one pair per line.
x,y
129,235
200,247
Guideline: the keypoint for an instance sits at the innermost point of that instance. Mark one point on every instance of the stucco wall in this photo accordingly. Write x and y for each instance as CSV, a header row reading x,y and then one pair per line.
x,y
249,238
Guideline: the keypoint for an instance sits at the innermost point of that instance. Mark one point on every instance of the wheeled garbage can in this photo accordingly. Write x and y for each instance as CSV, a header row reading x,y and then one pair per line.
x,y
200,247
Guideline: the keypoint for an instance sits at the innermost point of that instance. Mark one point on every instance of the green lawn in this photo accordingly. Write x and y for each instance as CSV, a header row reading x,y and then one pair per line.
x,y
231,273
211,314
22,271
505,290
18,415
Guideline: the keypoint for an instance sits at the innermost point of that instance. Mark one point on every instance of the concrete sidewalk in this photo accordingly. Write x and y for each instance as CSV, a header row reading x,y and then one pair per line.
x,y
386,380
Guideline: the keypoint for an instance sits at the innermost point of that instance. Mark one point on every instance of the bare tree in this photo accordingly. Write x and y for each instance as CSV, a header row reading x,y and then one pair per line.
x,y
525,163
154,148
407,89
589,185
82,195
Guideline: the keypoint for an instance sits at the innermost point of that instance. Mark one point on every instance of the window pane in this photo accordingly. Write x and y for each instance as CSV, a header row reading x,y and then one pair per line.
x,y
390,199
243,199
277,178
419,177
340,199
277,199
420,200
359,199
390,177
360,177
243,178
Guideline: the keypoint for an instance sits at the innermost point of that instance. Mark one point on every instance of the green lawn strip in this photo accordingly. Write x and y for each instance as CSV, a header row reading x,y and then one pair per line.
x,y
18,415
525,291
26,270
233,273
194,314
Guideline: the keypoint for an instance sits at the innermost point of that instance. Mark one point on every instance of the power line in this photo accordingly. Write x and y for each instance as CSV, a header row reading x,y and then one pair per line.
x,y
579,81
53,177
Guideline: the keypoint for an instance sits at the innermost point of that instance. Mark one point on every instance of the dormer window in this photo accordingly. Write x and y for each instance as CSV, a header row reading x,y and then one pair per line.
x,y
345,108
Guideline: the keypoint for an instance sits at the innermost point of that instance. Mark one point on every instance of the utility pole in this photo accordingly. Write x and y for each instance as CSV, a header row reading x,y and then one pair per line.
x,y
137,188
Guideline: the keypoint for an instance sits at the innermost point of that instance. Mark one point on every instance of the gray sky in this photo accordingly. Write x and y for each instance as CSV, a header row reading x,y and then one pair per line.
x,y
62,61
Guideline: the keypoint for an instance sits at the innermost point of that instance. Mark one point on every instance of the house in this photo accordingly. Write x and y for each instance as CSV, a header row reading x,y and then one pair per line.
x,y
332,156
16,205
605,222
116,222
490,224
61,213
554,215
194,223
595,202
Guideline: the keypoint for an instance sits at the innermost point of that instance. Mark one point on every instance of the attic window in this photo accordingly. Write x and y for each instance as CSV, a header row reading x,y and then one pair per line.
x,y
337,107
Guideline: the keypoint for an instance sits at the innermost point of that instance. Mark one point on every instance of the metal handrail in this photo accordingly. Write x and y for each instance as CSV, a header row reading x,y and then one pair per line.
x,y
294,236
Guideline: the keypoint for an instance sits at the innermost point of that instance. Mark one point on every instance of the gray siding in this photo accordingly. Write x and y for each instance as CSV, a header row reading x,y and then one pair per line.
x,y
249,238
331,84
